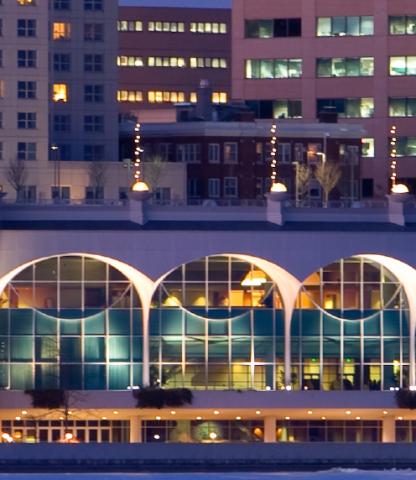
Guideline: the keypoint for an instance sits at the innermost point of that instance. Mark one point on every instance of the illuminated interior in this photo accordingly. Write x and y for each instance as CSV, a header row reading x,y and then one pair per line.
x,y
217,323
350,329
70,322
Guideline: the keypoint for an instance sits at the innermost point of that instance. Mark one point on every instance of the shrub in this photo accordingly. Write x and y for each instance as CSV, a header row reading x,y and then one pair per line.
x,y
406,399
47,398
153,397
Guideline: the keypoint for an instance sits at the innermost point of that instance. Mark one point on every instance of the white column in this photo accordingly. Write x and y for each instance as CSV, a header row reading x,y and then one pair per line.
x,y
288,360
135,430
145,326
269,429
389,430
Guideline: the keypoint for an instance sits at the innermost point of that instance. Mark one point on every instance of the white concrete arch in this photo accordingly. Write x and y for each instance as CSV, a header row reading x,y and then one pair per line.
x,y
143,285
406,275
288,286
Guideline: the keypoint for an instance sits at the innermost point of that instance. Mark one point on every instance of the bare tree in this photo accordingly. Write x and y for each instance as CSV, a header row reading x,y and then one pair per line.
x,y
303,175
16,175
153,169
328,175
97,172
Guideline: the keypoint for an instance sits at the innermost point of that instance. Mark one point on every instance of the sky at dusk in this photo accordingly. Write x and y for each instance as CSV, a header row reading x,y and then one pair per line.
x,y
178,3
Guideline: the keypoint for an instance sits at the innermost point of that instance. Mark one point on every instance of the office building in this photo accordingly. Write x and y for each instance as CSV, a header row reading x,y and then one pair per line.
x,y
165,53
304,58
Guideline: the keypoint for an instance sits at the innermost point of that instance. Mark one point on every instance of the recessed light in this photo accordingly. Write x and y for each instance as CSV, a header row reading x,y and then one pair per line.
x,y
238,418
172,412
399,418
18,418
216,412
24,412
258,412
158,418
287,418
103,418
348,412
115,412
358,418
310,412
199,418
385,412
323,418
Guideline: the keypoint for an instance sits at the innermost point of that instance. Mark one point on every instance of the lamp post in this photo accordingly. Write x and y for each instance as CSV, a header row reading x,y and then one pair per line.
x,y
56,169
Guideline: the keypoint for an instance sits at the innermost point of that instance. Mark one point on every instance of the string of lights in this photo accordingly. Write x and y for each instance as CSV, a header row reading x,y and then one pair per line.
x,y
137,152
393,155
138,184
276,187
273,152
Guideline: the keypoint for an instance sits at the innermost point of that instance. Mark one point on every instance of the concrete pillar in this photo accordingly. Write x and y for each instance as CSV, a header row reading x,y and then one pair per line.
x,y
275,208
135,430
269,429
137,211
146,352
138,206
389,430
397,206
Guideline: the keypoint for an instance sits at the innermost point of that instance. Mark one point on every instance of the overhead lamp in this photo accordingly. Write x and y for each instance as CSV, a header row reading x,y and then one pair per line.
x,y
254,278
140,186
399,188
278,188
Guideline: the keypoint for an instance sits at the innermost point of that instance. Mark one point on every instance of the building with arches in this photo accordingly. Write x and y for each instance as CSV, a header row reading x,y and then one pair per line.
x,y
285,329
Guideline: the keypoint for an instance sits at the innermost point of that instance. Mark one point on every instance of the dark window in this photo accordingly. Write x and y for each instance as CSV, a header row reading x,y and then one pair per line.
x,y
61,62
278,27
367,187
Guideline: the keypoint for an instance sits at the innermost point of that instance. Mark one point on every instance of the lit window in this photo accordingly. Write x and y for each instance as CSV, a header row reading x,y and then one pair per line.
x,y
129,61
129,96
60,92
367,147
129,26
274,68
230,152
61,31
344,26
208,27
345,67
219,97
402,25
402,107
403,66
165,97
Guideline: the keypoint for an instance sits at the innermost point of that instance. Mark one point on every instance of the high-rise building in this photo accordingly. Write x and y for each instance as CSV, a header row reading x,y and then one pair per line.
x,y
58,86
24,80
83,77
304,58
165,53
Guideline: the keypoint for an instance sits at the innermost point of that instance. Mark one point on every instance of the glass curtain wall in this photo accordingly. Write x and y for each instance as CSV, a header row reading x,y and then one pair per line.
x,y
350,329
217,323
70,322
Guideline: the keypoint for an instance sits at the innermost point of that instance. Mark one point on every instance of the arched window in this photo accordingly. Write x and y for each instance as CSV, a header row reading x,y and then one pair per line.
x,y
70,322
351,329
217,323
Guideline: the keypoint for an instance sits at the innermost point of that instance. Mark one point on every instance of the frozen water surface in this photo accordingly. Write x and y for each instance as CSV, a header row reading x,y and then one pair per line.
x,y
335,474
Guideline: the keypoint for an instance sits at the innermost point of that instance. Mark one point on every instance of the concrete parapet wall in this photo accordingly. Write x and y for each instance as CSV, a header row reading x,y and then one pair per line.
x,y
139,457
